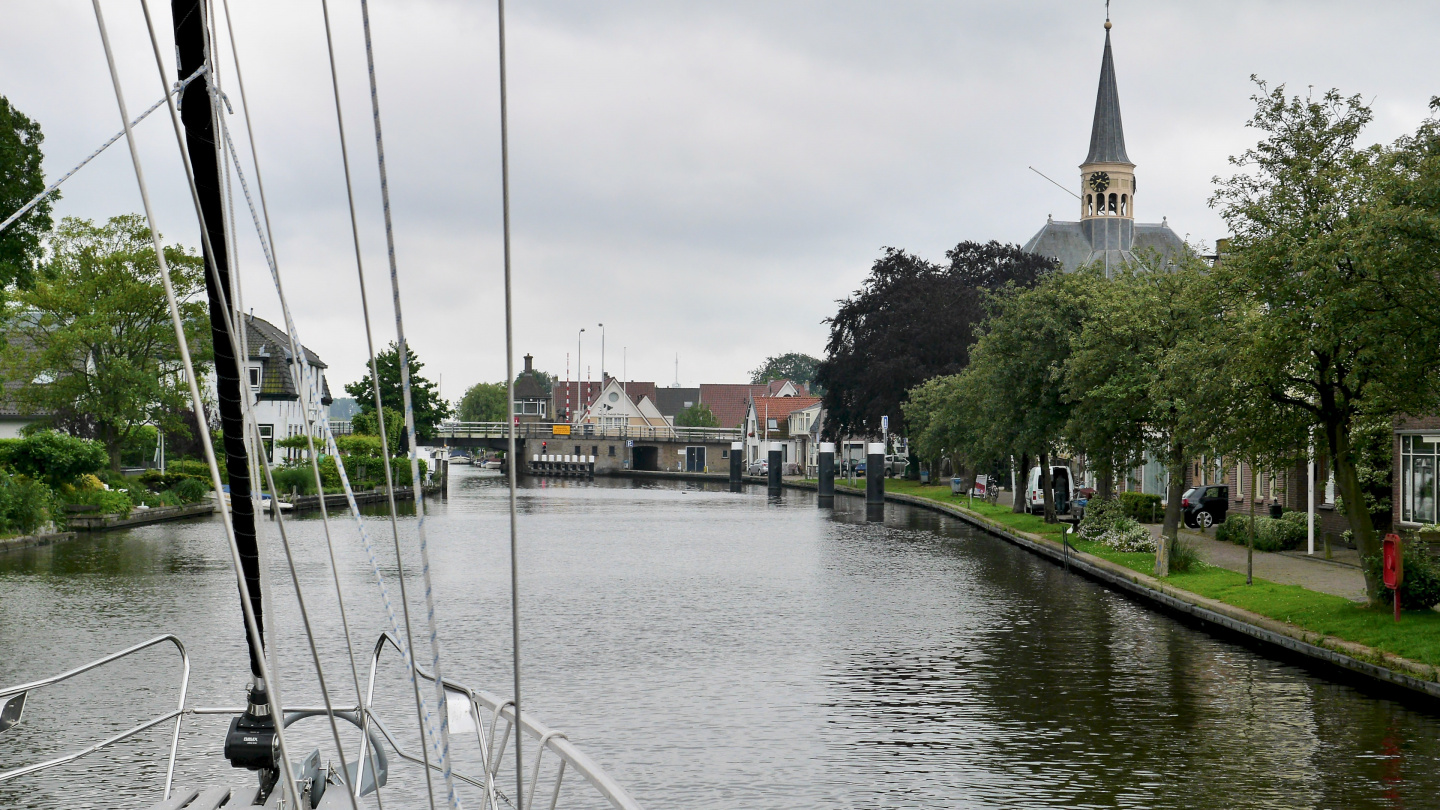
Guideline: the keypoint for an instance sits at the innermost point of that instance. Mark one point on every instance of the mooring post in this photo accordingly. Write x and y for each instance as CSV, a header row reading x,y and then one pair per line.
x,y
875,481
827,475
737,459
775,468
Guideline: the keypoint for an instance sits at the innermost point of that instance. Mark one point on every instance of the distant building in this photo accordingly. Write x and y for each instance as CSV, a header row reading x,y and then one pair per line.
x,y
532,401
784,419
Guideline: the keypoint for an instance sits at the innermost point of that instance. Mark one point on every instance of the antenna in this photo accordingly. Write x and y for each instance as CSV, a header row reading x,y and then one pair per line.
x,y
677,369
1057,185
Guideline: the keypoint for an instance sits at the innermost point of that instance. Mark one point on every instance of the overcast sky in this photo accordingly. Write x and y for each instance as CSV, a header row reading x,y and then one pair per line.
x,y
706,179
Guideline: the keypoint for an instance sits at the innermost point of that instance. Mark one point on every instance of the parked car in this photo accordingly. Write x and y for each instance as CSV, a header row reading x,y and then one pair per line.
x,y
1203,507
760,467
1059,482
895,465
857,464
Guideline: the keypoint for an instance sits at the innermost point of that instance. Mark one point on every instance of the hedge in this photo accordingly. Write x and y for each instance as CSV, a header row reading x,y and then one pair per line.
x,y
1271,534
1420,582
1141,506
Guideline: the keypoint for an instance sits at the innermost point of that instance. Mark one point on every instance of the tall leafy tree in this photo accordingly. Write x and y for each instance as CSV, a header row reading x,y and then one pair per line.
x,y
1332,243
91,341
697,415
912,320
424,394
793,366
21,178
483,402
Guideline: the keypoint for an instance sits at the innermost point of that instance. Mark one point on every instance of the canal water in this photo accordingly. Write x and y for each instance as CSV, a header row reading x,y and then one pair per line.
x,y
717,650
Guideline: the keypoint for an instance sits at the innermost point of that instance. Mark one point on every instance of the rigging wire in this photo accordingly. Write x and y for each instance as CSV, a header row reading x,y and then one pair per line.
x,y
403,355
248,412
252,626
50,189
510,410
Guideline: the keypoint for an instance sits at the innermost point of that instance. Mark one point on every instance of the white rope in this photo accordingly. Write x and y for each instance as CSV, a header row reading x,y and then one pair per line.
x,y
252,626
50,189
510,414
404,359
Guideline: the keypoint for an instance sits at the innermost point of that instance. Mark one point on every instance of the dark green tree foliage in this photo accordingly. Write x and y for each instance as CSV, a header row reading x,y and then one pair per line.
x,y
93,334
424,396
697,415
794,366
1332,244
483,402
912,320
21,179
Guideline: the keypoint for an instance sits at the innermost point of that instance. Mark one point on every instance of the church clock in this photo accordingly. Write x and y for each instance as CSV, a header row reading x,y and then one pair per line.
x,y
1099,181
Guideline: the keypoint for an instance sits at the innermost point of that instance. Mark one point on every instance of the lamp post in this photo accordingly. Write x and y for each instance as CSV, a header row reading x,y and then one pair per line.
x,y
602,354
579,389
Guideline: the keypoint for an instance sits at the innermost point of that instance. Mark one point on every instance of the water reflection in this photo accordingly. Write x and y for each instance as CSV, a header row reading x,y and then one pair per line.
x,y
716,649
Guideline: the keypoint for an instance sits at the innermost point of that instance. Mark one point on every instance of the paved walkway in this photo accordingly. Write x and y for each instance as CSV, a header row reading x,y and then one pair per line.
x,y
1340,576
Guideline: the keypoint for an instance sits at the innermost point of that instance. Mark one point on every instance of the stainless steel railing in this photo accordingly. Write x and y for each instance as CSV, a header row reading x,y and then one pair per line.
x,y
177,715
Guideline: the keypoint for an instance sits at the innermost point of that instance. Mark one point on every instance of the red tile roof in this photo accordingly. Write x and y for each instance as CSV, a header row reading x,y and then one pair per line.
x,y
781,407
728,401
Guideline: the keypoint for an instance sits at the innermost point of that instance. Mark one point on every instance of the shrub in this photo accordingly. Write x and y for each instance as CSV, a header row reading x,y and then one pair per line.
x,y
159,482
1271,534
1420,583
56,458
25,505
1101,517
169,498
109,501
1301,519
199,469
358,445
189,490
1142,507
1130,538
1185,557
299,478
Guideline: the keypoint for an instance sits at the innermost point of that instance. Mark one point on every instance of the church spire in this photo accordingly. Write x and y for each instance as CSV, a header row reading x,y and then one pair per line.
x,y
1107,136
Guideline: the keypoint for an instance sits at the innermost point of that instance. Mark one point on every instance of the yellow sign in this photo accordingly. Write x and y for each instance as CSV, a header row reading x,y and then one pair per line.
x,y
559,430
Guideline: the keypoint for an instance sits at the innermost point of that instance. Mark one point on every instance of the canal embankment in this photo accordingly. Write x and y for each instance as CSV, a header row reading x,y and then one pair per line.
x,y
1332,634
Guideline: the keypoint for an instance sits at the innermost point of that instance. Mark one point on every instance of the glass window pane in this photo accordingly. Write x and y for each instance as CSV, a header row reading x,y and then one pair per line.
x,y
1423,481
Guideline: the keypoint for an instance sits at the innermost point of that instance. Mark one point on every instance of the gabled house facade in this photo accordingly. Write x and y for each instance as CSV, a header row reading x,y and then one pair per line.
x,y
784,419
268,375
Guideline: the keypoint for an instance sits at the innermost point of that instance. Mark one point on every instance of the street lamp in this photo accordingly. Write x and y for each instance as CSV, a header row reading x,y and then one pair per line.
x,y
602,354
579,391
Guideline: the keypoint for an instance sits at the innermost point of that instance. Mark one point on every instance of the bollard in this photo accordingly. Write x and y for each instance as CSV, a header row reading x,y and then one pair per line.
x,y
826,488
775,468
875,481
737,458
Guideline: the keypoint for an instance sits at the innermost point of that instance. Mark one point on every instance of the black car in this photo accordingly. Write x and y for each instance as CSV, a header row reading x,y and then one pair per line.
x,y
1203,507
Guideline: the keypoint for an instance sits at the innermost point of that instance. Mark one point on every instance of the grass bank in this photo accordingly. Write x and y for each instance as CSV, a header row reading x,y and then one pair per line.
x,y
1417,637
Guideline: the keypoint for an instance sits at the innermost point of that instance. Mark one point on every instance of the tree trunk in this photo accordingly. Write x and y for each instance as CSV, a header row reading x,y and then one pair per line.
x,y
1022,483
1170,530
1347,480
1107,481
1250,541
1047,488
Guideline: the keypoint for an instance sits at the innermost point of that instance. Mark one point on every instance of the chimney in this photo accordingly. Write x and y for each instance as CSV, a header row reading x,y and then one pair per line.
x,y
529,369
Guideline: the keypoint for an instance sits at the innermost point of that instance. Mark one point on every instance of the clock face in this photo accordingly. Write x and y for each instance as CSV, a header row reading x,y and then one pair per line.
x,y
1099,181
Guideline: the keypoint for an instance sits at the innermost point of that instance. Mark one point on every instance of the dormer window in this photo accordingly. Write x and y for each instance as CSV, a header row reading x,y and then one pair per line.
x,y
254,377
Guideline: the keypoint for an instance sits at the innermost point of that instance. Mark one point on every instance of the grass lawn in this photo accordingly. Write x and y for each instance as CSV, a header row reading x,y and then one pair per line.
x,y
1417,637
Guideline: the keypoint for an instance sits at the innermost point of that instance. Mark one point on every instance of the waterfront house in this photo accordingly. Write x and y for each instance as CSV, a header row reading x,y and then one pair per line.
x,y
783,419
532,399
269,375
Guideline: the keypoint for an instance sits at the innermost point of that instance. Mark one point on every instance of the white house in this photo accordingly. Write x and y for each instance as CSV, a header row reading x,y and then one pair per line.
x,y
277,405
613,408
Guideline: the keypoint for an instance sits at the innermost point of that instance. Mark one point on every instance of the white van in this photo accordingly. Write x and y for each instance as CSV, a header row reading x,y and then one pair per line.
x,y
1059,482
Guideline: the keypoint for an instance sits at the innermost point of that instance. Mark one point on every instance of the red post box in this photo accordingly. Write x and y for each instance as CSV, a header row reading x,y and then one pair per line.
x,y
1393,570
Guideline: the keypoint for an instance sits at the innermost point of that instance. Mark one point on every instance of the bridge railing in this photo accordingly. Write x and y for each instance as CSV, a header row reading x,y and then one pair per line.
x,y
546,430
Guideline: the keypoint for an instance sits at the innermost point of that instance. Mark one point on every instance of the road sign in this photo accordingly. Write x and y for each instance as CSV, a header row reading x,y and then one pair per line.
x,y
884,426
629,442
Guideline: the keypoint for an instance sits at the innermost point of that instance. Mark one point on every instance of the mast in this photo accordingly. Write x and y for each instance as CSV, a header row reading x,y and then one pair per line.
x,y
200,143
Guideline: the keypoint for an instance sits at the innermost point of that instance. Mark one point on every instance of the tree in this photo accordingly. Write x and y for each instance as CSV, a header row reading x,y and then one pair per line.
x,y
483,402
1331,243
912,320
1140,374
793,366
697,415
92,342
425,399
21,178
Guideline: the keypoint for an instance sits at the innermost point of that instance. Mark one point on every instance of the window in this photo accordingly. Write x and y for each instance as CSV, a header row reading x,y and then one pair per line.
x,y
254,376
724,453
612,451
772,424
1417,477
530,408
267,438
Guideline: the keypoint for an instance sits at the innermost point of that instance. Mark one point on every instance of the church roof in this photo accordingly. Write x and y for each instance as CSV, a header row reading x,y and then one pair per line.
x,y
1067,243
1107,136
